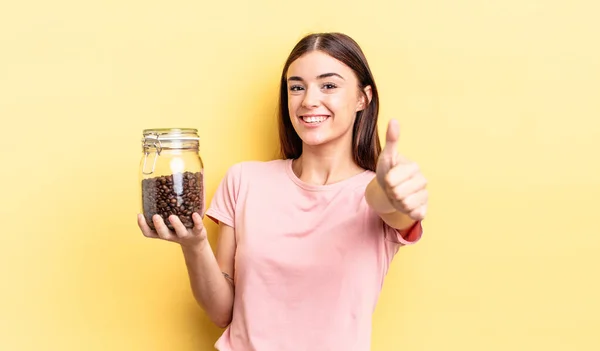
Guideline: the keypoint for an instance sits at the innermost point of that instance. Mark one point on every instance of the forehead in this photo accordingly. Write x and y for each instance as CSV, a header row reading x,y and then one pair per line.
x,y
315,63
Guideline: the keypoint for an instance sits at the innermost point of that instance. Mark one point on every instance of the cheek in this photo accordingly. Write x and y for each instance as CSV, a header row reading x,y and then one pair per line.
x,y
293,104
343,106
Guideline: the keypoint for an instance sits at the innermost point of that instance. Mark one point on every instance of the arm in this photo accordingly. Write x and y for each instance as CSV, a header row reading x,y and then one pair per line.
x,y
398,191
211,289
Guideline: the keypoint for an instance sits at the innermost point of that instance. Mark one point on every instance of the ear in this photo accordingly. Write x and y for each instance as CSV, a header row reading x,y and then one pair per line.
x,y
365,99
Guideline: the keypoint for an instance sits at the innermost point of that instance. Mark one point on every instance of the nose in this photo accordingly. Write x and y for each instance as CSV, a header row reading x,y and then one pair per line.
x,y
311,98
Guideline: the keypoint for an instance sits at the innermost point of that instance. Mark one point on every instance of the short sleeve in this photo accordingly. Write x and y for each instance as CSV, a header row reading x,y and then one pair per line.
x,y
223,204
407,236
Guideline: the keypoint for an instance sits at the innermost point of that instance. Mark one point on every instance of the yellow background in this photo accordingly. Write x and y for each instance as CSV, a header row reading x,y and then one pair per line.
x,y
499,102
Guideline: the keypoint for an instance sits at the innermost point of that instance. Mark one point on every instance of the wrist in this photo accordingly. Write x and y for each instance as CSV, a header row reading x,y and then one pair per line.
x,y
196,248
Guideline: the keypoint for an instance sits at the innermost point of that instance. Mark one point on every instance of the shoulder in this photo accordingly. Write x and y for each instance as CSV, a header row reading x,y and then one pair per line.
x,y
240,176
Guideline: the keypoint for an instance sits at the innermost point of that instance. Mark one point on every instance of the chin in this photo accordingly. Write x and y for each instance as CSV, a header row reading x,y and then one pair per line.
x,y
312,141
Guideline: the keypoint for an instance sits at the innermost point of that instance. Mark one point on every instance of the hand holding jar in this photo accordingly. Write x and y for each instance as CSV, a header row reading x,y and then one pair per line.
x,y
186,237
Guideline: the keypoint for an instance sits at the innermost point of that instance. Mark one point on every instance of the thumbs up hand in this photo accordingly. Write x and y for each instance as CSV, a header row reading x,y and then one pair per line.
x,y
401,179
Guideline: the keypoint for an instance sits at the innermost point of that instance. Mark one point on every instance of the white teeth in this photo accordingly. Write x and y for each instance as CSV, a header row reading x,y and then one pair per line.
x,y
315,119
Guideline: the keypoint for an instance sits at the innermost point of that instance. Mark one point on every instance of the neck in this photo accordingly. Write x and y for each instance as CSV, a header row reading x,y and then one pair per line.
x,y
325,164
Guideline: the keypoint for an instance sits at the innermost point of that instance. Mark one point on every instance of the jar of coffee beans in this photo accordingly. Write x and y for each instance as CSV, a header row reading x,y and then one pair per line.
x,y
171,172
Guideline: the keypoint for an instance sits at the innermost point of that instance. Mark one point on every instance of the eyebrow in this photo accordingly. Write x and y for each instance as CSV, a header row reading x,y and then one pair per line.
x,y
321,76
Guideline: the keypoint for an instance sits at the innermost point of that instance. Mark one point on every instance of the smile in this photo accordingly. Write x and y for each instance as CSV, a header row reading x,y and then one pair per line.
x,y
314,119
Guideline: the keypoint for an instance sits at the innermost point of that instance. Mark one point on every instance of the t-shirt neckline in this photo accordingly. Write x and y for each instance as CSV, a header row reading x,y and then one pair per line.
x,y
314,187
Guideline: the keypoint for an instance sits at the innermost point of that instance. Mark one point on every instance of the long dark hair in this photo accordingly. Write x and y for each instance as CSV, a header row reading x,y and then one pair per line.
x,y
365,141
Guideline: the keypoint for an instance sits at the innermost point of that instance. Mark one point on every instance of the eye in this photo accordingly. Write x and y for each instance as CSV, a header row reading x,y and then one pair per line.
x,y
329,86
296,88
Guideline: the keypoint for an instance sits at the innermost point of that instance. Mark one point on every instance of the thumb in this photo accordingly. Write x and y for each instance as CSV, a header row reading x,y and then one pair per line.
x,y
391,138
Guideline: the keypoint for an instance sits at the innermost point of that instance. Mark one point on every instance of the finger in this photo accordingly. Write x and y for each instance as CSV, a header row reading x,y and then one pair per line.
x,y
415,201
161,228
198,225
391,139
408,187
180,230
419,213
149,233
401,173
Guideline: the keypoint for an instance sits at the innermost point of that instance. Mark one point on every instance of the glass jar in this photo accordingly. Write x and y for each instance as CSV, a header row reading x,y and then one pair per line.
x,y
172,175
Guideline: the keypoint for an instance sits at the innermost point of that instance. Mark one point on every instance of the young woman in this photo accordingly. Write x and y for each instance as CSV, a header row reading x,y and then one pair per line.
x,y
305,241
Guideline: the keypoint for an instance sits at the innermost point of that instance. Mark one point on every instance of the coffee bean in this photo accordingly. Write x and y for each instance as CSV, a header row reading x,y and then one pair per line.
x,y
179,194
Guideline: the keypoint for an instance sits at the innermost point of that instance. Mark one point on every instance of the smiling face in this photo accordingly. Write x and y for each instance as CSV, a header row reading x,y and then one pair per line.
x,y
323,98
